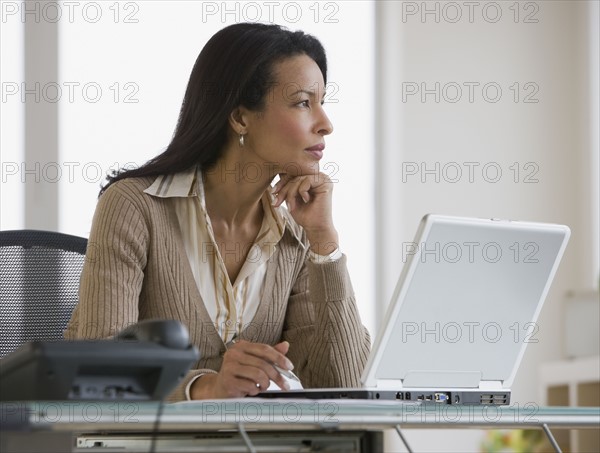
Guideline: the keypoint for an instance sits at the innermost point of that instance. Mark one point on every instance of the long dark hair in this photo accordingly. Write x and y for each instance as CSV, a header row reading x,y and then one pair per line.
x,y
235,68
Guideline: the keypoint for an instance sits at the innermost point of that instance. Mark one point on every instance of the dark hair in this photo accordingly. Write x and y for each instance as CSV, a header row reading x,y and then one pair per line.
x,y
234,68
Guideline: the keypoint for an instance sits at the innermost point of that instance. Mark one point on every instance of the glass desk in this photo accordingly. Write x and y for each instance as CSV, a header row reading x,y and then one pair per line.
x,y
257,423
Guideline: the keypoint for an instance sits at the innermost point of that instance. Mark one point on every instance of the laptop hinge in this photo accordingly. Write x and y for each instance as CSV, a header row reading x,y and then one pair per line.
x,y
491,385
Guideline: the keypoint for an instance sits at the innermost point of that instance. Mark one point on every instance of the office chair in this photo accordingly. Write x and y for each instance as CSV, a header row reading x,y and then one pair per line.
x,y
39,283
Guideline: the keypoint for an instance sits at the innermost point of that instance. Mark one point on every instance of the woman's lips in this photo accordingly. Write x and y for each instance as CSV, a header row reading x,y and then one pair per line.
x,y
316,151
316,154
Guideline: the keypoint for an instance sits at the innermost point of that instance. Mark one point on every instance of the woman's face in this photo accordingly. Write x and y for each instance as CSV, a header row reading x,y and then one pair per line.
x,y
288,135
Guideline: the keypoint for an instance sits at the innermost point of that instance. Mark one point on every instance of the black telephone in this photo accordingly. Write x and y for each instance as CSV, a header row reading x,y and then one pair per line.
x,y
169,333
143,362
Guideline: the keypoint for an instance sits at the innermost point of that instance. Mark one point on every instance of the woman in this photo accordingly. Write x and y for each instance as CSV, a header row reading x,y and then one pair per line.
x,y
197,234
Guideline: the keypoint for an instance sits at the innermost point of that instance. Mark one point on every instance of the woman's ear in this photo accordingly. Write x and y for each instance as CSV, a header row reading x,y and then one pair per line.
x,y
238,119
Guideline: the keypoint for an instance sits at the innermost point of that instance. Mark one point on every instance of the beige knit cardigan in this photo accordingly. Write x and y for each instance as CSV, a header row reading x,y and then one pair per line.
x,y
136,268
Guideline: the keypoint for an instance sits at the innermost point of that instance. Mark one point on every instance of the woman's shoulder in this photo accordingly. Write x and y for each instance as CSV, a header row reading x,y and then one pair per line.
x,y
133,185
130,188
130,191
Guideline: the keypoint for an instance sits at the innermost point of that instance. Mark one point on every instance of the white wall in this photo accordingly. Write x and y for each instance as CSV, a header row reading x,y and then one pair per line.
x,y
546,46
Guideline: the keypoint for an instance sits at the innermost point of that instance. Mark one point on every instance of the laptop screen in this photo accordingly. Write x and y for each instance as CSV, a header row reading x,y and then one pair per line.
x,y
466,304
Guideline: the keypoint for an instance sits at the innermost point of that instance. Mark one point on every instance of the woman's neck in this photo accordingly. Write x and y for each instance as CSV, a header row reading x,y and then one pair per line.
x,y
233,192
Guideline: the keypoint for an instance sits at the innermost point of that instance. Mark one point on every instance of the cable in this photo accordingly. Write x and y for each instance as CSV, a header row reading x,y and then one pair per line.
x,y
403,439
246,438
551,438
155,429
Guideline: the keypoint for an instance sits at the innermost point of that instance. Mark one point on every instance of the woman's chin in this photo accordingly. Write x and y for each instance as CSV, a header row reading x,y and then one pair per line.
x,y
301,169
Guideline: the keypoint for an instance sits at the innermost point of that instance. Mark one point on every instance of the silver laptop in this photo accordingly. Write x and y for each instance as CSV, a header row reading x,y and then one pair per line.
x,y
464,310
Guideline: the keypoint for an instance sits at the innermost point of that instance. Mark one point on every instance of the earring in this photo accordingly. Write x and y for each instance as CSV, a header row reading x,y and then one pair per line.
x,y
241,140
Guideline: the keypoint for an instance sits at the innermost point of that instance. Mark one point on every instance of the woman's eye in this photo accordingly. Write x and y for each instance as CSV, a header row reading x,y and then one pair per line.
x,y
304,103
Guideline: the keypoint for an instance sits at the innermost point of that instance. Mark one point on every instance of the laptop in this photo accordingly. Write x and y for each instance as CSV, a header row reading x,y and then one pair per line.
x,y
462,314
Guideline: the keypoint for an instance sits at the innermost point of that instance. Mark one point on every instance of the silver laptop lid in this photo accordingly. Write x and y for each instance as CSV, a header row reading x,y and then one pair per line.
x,y
466,303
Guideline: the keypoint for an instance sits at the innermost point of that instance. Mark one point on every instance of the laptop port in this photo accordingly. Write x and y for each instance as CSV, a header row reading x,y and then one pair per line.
x,y
399,396
443,398
496,399
407,396
420,397
428,398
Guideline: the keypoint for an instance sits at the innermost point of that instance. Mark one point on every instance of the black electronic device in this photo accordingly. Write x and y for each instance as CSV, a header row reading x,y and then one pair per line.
x,y
169,333
144,362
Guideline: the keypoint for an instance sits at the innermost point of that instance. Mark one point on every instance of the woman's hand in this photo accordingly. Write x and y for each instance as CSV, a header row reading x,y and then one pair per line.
x,y
309,200
247,370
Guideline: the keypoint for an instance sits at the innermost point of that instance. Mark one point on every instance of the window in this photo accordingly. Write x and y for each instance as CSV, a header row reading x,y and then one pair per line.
x,y
122,72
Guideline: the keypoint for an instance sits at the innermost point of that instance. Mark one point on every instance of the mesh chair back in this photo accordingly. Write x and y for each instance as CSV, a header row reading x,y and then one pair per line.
x,y
39,283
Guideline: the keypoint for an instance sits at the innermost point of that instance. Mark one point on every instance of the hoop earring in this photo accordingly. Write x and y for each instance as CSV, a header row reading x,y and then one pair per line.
x,y
241,140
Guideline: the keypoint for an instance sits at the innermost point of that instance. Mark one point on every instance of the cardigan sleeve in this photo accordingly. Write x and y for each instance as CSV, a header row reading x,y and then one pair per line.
x,y
113,270
328,343
113,273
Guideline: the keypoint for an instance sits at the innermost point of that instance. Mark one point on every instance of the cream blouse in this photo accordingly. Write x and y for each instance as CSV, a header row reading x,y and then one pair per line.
x,y
230,306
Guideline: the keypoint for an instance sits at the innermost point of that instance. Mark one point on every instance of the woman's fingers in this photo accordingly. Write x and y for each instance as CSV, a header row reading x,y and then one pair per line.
x,y
281,190
264,352
248,368
265,357
293,189
243,380
303,189
309,200
283,179
292,192
282,347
